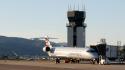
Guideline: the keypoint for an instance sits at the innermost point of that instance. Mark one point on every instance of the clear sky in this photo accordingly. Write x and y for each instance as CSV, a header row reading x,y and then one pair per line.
x,y
35,18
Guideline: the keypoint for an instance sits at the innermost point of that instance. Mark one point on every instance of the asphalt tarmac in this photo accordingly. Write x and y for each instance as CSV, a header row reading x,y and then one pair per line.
x,y
48,65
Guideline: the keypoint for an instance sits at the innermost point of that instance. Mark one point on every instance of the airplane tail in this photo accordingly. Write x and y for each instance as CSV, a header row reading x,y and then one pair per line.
x,y
48,46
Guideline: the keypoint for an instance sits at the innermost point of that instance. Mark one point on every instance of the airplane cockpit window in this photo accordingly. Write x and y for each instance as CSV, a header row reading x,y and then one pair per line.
x,y
91,50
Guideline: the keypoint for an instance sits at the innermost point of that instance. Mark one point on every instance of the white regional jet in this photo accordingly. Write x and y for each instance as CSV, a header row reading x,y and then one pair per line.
x,y
70,52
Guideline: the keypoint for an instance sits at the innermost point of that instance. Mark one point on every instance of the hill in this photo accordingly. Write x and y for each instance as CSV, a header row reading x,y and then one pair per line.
x,y
22,46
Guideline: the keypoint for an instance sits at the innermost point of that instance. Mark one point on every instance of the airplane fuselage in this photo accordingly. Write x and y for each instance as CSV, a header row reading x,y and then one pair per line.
x,y
70,52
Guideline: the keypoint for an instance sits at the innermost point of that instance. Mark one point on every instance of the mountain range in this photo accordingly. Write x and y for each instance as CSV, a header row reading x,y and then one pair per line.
x,y
9,46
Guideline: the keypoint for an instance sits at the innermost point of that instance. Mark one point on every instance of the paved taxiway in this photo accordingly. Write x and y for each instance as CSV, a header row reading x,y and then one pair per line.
x,y
46,65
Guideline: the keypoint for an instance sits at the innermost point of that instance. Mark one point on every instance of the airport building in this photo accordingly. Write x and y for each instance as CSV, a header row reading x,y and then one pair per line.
x,y
76,28
106,51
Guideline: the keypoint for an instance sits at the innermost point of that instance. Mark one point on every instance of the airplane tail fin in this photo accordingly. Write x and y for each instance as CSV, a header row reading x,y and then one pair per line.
x,y
48,46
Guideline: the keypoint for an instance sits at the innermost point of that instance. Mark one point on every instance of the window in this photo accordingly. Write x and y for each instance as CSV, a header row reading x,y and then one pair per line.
x,y
91,50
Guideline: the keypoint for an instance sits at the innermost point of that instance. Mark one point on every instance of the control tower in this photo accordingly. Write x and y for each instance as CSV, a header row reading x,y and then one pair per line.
x,y
76,28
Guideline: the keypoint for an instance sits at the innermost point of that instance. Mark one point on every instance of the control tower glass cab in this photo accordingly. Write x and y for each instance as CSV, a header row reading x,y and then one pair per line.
x,y
76,28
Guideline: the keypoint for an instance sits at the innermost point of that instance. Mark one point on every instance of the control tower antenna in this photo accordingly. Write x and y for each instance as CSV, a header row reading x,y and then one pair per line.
x,y
74,7
78,6
83,7
69,7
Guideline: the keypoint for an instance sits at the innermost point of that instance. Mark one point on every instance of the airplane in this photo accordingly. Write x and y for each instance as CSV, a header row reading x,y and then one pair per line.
x,y
70,52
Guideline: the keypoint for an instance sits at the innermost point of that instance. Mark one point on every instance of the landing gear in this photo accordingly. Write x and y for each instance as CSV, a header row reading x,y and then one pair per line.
x,y
95,61
72,60
57,60
67,60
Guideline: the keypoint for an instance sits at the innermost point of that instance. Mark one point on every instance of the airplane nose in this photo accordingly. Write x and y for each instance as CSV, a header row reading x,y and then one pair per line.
x,y
94,56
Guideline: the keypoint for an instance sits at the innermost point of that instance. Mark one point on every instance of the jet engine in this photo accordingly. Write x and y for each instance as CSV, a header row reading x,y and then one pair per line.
x,y
46,49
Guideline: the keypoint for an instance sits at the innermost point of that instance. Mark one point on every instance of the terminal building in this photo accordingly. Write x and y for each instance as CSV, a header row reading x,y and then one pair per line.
x,y
76,28
106,51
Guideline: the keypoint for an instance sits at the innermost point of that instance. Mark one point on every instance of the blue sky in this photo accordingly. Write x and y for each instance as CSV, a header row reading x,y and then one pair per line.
x,y
35,18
